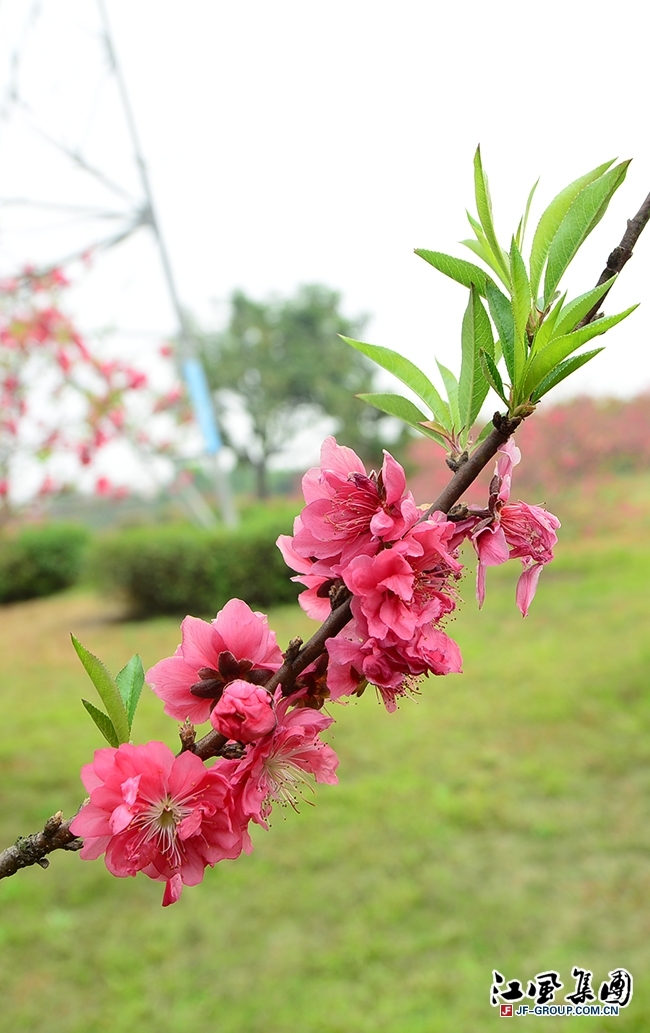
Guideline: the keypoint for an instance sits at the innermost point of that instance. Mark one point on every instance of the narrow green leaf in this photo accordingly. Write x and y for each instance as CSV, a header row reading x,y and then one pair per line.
x,y
432,425
484,208
485,254
457,268
107,689
404,410
476,336
129,682
562,371
524,222
518,233
558,349
501,312
546,330
579,307
551,219
487,429
492,374
481,247
451,387
522,302
103,722
409,374
584,214
481,252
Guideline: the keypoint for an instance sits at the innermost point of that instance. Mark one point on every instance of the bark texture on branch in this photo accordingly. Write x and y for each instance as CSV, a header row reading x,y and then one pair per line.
x,y
469,471
29,850
621,254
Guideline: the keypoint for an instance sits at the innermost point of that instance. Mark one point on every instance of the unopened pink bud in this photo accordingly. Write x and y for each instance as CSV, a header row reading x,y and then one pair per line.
x,y
244,712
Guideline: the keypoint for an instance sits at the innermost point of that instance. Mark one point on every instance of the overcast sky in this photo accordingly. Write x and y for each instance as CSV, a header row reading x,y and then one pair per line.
x,y
295,142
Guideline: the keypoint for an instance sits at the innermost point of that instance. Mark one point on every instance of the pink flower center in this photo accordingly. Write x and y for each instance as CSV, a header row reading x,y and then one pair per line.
x,y
160,821
285,780
354,507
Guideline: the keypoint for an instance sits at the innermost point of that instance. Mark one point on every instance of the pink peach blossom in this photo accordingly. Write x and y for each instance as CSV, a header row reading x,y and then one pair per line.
x,y
391,664
316,575
407,585
244,712
150,811
530,534
510,531
237,644
349,511
279,767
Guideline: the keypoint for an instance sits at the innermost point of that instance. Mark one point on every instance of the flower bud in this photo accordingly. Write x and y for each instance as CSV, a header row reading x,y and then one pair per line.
x,y
244,712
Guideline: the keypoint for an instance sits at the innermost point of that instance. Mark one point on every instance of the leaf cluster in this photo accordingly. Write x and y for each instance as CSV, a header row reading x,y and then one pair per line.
x,y
120,695
519,336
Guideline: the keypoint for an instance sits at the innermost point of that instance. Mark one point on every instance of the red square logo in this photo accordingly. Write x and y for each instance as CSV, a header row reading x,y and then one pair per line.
x,y
506,1009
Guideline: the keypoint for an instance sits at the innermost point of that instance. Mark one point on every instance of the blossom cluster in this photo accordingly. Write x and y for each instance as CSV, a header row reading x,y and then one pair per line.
x,y
44,357
361,537
364,533
170,817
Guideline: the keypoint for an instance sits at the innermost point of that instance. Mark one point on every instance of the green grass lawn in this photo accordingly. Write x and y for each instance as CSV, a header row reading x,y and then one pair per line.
x,y
502,820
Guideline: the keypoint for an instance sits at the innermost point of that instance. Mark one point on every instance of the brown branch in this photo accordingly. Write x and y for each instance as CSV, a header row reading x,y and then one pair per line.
x,y
469,471
28,850
620,255
212,743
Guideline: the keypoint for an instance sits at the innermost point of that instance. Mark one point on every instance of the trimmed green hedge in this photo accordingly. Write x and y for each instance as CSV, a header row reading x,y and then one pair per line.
x,y
38,561
182,569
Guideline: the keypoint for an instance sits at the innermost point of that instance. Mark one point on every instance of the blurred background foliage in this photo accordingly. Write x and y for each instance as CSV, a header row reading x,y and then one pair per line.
x,y
582,454
280,367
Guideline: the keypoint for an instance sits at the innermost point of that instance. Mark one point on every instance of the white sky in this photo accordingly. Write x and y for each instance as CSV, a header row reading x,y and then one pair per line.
x,y
294,142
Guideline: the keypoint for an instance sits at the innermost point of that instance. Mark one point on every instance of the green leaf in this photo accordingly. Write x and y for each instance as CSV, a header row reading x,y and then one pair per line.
x,y
563,370
451,387
546,330
522,302
129,682
479,250
409,374
472,385
457,268
579,307
584,214
107,689
558,349
103,722
484,208
481,247
483,252
521,232
552,218
488,428
395,405
492,374
501,312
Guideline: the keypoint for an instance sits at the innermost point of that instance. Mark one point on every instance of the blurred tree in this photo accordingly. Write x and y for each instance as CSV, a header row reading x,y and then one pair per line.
x,y
62,403
281,365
